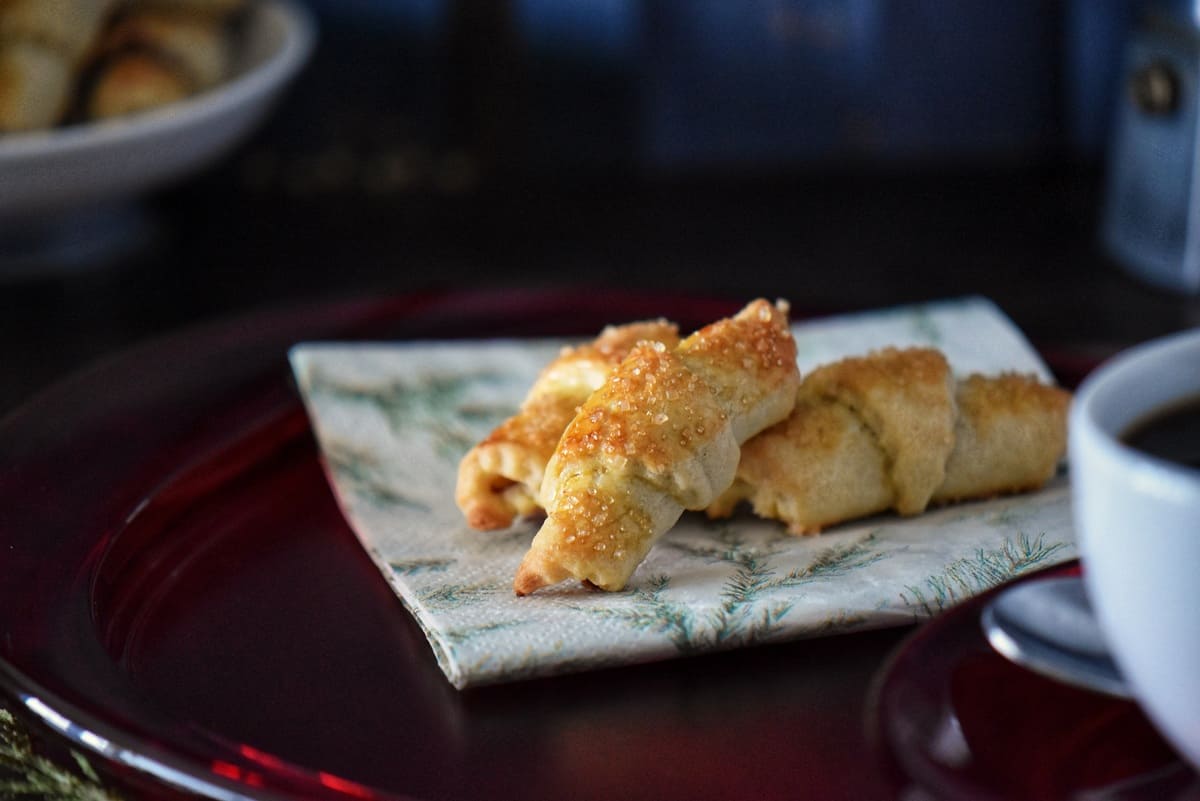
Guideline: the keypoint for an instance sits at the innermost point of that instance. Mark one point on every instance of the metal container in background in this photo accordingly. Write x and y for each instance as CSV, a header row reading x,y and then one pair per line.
x,y
1152,211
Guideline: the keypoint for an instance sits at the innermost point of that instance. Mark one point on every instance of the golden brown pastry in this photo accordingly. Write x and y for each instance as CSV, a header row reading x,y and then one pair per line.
x,y
500,478
150,59
35,86
894,431
205,8
42,45
69,27
1010,435
661,435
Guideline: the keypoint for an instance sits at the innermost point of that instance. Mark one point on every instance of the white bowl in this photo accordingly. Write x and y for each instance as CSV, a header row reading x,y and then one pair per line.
x,y
43,174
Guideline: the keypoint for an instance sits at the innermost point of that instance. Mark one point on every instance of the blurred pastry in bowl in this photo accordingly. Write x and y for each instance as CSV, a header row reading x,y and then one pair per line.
x,y
43,44
66,61
148,59
66,175
35,86
190,7
69,27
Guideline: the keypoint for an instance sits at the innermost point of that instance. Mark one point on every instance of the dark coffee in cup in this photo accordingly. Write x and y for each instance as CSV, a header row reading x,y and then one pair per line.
x,y
1171,433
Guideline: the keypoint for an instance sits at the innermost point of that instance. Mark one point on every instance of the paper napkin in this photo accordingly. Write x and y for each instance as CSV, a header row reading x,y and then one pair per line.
x,y
393,420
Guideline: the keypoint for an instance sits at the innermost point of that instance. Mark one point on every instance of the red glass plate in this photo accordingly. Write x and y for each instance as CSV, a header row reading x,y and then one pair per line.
x,y
954,720
182,601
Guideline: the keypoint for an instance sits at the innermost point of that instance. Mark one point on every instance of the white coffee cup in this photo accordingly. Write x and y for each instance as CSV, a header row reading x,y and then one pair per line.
x,y
1137,520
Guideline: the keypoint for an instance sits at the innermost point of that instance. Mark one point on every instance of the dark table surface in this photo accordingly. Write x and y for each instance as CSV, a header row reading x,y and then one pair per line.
x,y
407,158
260,231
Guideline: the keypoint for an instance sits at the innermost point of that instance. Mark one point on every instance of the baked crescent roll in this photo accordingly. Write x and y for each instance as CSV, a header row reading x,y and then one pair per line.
x,y
500,478
42,44
35,86
206,8
893,431
1010,435
148,59
906,399
68,27
663,434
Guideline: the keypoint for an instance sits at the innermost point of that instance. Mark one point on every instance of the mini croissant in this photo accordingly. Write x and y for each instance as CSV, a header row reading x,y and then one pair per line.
x,y
894,431
149,59
35,86
42,45
500,477
662,434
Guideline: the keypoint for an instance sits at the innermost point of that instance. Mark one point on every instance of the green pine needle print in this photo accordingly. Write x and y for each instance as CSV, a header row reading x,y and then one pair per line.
x,y
452,596
749,610
433,404
841,621
986,568
459,636
26,774
752,577
532,664
837,560
653,611
411,567
360,471
726,544
925,327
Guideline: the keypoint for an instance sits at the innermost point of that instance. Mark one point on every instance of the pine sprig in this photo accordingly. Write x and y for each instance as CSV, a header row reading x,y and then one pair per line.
x,y
837,560
412,567
360,471
652,611
752,577
459,636
747,613
456,595
428,402
925,327
986,568
26,774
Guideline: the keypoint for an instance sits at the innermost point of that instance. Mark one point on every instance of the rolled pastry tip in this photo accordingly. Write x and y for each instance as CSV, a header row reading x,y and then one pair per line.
x,y
501,477
834,460
660,436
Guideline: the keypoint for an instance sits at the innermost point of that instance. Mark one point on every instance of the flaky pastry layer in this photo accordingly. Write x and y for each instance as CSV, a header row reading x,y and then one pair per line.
x,y
501,477
893,431
661,435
